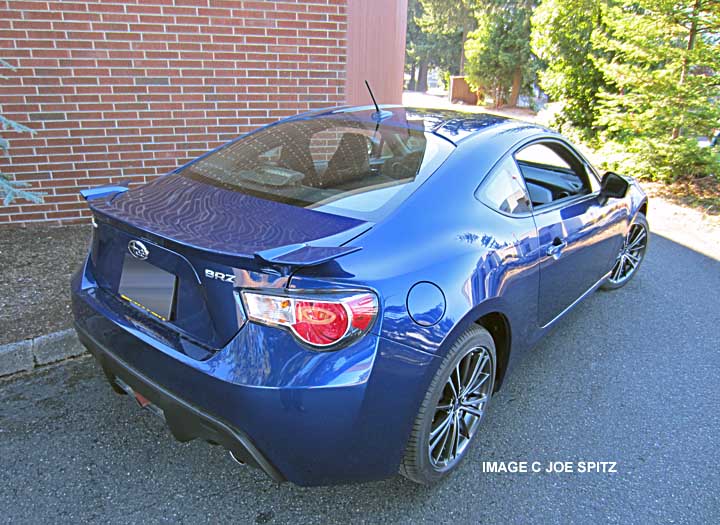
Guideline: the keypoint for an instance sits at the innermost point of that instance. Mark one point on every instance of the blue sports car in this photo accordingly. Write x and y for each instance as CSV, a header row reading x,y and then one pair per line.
x,y
337,296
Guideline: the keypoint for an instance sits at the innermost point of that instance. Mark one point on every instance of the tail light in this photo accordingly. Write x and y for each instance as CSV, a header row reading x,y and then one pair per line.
x,y
320,320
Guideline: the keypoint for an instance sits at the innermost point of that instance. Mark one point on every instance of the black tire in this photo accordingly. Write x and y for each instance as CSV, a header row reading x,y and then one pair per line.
x,y
613,284
417,464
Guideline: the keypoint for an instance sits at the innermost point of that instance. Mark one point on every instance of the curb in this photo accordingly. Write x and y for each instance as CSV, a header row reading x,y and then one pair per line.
x,y
24,356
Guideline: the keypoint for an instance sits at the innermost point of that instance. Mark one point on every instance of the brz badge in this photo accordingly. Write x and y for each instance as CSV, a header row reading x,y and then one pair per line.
x,y
220,276
138,250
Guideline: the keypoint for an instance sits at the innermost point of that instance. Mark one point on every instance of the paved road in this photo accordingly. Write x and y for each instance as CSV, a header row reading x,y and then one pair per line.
x,y
630,377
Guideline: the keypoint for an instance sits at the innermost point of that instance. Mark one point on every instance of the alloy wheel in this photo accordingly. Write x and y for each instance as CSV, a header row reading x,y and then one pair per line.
x,y
460,408
631,254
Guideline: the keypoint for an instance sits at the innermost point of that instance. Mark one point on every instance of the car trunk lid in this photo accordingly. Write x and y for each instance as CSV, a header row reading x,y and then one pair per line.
x,y
213,240
221,221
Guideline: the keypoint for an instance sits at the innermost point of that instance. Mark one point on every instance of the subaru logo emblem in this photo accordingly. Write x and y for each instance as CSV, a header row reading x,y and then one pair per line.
x,y
138,250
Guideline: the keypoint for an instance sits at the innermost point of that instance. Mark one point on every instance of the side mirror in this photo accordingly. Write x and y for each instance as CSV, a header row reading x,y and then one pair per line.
x,y
613,186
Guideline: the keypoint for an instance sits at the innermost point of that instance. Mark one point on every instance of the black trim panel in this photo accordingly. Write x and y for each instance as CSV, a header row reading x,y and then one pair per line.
x,y
185,421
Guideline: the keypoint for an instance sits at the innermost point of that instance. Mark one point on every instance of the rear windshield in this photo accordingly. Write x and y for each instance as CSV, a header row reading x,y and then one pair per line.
x,y
338,164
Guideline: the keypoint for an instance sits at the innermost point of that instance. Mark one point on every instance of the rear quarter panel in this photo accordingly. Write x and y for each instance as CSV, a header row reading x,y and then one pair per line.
x,y
482,261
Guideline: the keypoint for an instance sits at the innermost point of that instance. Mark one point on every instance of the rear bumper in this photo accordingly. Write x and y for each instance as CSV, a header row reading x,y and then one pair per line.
x,y
312,418
186,422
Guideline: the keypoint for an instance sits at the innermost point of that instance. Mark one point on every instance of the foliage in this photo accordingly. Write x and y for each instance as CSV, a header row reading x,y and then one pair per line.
x,y
639,77
438,33
499,59
660,61
659,159
562,38
429,44
12,189
456,17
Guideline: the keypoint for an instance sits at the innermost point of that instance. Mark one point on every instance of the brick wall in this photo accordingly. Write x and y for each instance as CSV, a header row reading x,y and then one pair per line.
x,y
129,89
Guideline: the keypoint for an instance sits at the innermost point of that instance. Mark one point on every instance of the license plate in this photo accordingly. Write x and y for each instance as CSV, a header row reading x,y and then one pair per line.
x,y
147,287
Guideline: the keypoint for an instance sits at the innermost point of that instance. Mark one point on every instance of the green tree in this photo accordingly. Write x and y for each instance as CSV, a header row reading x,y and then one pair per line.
x,y
11,189
428,45
562,38
456,17
660,60
415,42
499,58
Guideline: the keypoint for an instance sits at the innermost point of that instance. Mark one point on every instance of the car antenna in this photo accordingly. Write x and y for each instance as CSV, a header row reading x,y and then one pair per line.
x,y
379,115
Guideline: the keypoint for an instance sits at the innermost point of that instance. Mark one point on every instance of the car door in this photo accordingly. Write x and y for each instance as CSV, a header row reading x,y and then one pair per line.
x,y
578,235
510,268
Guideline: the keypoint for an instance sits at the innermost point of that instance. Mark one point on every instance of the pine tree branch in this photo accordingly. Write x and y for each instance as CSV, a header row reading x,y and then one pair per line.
x,y
12,189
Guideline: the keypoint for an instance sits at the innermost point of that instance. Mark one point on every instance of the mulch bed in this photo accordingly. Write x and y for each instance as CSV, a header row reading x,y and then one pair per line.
x,y
36,263
702,194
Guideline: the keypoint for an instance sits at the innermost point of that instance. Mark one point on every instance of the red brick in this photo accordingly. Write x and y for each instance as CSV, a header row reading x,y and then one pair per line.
x,y
207,74
32,24
119,17
80,16
27,6
144,9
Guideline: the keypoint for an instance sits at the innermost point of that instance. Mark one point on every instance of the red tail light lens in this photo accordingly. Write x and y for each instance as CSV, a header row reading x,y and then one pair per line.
x,y
364,310
320,321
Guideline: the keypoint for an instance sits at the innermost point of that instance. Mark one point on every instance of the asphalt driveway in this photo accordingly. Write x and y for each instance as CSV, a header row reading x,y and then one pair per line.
x,y
631,377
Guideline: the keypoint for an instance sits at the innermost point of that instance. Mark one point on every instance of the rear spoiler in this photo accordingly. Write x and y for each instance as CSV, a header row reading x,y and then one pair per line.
x,y
304,254
100,192
316,252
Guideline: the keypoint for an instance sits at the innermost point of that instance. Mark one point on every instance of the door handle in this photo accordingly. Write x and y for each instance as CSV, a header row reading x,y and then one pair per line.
x,y
556,248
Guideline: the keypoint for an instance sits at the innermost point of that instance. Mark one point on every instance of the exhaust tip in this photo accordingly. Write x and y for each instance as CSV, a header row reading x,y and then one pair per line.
x,y
238,461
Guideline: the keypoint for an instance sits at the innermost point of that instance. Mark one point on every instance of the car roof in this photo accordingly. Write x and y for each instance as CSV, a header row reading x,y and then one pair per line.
x,y
452,125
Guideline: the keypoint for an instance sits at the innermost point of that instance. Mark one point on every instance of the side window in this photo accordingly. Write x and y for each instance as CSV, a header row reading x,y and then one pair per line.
x,y
271,156
504,189
551,172
539,153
